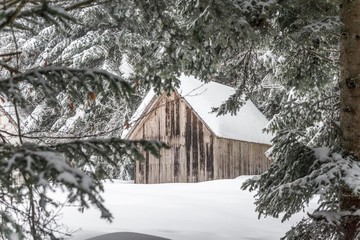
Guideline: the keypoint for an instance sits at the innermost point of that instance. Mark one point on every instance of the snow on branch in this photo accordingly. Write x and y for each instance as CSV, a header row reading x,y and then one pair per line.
x,y
12,11
320,172
113,149
76,82
59,166
50,169
327,23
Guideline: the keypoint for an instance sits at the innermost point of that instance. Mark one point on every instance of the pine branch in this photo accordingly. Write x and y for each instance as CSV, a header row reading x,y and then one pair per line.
x,y
53,80
12,13
8,67
81,4
46,166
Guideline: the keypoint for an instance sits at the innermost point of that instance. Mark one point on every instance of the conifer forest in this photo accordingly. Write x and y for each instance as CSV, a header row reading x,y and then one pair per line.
x,y
72,72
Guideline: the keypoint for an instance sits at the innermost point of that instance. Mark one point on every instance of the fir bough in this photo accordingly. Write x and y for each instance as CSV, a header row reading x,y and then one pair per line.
x,y
36,161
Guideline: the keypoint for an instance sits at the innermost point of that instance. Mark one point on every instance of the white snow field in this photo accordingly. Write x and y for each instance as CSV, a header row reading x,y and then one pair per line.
x,y
203,211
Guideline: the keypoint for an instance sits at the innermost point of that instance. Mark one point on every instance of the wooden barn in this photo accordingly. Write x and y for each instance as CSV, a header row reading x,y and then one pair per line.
x,y
203,146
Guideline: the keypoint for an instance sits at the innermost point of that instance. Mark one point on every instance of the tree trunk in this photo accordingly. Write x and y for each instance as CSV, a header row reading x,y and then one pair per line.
x,y
350,103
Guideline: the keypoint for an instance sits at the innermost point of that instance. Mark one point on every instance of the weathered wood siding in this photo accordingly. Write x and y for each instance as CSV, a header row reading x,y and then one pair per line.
x,y
234,158
190,158
196,154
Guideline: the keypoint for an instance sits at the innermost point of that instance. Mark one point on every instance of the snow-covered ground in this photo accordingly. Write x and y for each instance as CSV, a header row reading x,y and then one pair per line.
x,y
202,211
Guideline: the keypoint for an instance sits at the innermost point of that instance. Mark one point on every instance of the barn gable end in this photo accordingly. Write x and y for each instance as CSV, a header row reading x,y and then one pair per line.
x,y
190,159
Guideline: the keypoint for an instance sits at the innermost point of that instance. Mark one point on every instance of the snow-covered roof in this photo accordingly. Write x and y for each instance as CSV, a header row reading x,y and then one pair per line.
x,y
246,125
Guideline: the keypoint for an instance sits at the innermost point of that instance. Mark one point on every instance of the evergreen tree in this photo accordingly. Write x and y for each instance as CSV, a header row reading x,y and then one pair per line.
x,y
95,43
30,171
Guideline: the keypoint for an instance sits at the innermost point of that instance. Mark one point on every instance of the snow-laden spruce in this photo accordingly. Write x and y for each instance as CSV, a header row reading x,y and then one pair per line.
x,y
41,159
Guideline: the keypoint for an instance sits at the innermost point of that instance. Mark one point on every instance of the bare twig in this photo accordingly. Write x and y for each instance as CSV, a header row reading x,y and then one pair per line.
x,y
8,67
81,4
18,122
10,54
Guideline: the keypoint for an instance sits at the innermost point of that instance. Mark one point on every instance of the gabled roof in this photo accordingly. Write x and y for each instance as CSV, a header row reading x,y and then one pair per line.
x,y
246,125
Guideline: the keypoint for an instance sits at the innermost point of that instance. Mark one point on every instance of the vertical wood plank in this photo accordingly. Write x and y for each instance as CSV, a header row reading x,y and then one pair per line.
x,y
172,116
159,137
167,118
168,166
195,164
201,152
218,160
182,124
177,114
163,136
210,159
182,153
176,163
238,158
231,165
251,159
188,139
147,167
